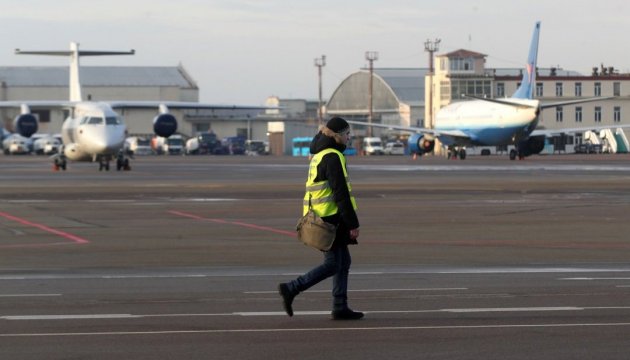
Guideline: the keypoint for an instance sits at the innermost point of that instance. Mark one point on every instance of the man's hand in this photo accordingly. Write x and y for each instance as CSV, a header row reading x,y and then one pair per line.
x,y
354,233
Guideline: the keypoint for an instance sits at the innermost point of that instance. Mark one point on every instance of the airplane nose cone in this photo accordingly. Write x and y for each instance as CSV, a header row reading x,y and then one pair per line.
x,y
101,142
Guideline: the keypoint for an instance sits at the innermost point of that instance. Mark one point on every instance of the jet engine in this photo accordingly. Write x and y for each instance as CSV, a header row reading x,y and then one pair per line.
x,y
530,146
164,125
25,125
420,144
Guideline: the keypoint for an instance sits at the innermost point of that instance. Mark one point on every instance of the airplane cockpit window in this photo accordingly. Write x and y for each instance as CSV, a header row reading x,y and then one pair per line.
x,y
112,120
84,120
95,121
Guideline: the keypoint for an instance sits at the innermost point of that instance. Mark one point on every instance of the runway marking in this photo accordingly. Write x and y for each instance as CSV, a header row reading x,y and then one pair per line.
x,y
364,290
523,309
594,278
237,223
305,313
238,273
27,295
70,317
75,239
325,329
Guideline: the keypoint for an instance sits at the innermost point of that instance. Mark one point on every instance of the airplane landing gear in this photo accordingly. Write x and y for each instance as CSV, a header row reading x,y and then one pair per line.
x,y
122,161
513,154
103,163
454,152
59,162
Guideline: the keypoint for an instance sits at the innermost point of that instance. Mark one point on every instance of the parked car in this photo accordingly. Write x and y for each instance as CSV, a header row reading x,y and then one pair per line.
x,y
394,148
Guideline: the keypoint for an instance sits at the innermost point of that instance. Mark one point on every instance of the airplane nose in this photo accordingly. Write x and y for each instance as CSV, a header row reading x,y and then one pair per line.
x,y
98,141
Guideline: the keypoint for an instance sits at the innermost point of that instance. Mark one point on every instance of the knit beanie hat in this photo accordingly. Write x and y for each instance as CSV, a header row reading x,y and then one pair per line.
x,y
338,125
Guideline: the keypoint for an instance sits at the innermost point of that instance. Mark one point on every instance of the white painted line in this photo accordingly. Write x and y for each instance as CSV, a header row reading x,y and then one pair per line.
x,y
71,317
27,295
364,290
335,329
280,313
482,271
594,278
314,312
524,309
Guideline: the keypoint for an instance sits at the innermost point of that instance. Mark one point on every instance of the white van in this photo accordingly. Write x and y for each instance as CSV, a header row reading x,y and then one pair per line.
x,y
372,146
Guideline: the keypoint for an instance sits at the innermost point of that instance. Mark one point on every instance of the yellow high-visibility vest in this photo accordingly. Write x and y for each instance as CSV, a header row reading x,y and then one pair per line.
x,y
321,195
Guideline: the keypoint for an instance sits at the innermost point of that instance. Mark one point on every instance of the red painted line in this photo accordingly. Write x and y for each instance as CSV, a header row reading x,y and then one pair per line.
x,y
63,234
237,223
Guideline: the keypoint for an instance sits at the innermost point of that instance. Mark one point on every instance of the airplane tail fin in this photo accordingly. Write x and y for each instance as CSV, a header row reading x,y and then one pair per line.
x,y
74,54
526,90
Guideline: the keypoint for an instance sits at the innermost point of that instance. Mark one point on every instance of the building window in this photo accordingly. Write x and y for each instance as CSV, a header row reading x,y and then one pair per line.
x,y
617,114
539,89
578,114
445,90
598,114
462,64
616,89
578,89
487,88
500,90
559,114
558,89
598,89
471,87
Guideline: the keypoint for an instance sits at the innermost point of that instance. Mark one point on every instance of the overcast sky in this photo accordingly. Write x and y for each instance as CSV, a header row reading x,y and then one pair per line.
x,y
242,51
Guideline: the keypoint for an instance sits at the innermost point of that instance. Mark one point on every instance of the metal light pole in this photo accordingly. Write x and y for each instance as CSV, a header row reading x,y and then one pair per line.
x,y
431,47
320,63
370,56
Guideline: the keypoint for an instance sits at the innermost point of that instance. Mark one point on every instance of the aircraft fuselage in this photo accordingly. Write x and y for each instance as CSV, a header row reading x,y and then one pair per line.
x,y
488,123
93,131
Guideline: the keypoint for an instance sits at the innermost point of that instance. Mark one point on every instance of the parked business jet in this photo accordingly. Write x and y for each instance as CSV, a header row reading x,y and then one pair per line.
x,y
493,122
93,131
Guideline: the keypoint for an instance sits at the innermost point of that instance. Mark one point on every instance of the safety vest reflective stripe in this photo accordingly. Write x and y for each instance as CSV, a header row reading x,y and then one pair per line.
x,y
319,193
322,186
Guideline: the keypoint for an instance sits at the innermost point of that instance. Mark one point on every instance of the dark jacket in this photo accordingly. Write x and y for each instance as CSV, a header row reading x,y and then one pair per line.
x,y
330,168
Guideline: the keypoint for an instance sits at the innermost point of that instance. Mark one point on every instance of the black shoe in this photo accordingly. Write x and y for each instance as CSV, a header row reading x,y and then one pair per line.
x,y
287,298
346,314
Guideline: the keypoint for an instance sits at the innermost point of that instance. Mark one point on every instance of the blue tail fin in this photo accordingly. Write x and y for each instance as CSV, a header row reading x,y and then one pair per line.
x,y
526,90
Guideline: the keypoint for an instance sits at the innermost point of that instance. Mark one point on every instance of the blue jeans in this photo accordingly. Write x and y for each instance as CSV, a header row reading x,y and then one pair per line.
x,y
336,264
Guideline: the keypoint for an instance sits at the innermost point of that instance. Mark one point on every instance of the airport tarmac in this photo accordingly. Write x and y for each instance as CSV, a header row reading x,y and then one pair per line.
x,y
180,258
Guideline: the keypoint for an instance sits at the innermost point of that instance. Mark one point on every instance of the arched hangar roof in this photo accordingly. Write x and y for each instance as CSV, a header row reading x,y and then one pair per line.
x,y
391,88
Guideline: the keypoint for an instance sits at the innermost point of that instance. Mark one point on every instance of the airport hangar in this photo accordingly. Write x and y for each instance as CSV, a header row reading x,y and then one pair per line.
x,y
398,96
125,83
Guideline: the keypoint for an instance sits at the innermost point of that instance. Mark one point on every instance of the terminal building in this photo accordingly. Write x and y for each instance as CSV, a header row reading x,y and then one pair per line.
x,y
409,97
400,96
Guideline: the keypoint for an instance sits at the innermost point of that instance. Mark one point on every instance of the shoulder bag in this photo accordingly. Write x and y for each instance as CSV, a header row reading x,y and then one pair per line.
x,y
315,232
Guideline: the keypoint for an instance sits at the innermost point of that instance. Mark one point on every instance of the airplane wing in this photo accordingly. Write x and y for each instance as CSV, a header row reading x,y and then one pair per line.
x,y
571,102
124,104
551,132
501,101
52,104
452,134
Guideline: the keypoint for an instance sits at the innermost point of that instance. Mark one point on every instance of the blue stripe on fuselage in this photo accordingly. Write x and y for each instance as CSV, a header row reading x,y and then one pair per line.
x,y
485,136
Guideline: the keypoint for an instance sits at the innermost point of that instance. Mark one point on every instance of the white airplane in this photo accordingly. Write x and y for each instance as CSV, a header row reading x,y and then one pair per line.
x,y
94,131
493,122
